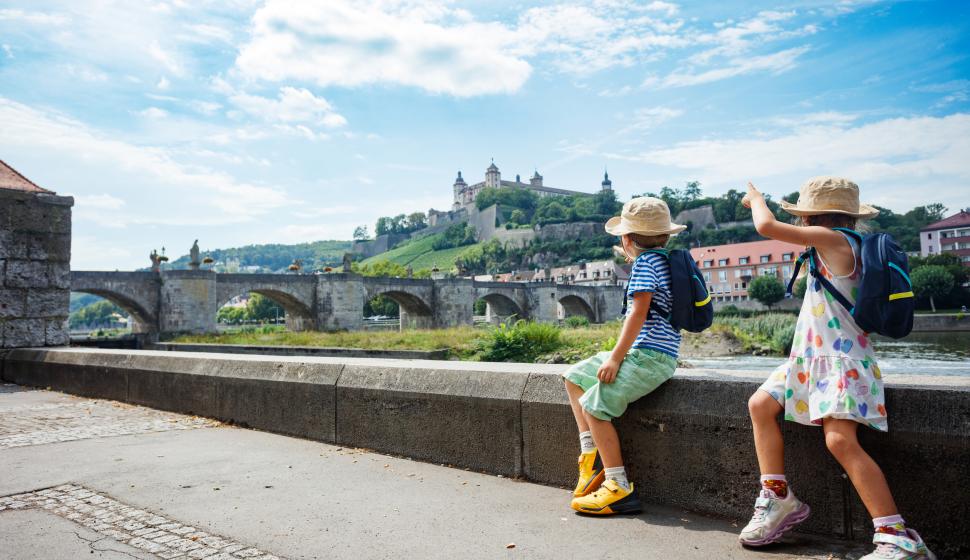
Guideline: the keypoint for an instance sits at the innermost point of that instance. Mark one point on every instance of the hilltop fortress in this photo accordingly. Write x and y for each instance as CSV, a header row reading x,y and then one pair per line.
x,y
489,223
466,194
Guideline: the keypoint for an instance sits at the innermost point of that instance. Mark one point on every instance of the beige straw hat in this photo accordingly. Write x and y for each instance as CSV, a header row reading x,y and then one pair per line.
x,y
645,215
829,195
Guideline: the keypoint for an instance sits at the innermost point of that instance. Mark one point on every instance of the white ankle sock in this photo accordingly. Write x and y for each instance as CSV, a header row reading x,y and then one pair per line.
x,y
897,519
618,474
586,442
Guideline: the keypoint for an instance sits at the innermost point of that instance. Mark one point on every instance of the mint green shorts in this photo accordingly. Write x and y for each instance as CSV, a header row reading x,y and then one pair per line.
x,y
641,372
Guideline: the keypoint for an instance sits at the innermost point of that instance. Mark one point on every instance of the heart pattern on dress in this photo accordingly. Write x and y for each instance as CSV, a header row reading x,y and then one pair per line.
x,y
834,323
863,341
818,310
843,345
863,409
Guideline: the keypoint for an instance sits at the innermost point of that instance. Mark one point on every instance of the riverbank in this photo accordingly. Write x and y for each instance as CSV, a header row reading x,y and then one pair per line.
x,y
730,336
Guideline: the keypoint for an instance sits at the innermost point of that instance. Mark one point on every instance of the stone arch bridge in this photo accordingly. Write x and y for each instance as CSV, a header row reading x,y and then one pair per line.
x,y
186,301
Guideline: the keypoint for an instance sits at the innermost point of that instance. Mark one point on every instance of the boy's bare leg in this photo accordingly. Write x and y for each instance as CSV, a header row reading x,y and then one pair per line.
x,y
575,391
608,443
865,474
768,443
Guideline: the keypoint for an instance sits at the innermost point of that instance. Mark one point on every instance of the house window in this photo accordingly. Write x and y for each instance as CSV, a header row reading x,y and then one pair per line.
x,y
744,260
707,276
786,271
722,262
708,264
737,273
722,275
788,256
929,236
765,258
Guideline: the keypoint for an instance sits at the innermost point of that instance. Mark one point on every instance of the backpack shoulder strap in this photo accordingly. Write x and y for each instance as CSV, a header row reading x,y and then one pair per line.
x,y
839,296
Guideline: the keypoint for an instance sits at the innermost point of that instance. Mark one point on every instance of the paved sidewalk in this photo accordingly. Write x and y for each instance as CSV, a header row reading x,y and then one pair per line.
x,y
131,482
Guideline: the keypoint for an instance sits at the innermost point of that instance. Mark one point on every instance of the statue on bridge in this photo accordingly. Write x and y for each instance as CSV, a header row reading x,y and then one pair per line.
x,y
409,272
194,261
348,262
156,260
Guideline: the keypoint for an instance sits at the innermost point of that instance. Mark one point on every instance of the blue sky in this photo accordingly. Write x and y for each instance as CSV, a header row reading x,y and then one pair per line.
x,y
241,121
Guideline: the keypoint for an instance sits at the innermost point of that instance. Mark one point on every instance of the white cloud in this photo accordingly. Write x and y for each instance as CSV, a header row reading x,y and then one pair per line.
x,y
294,105
153,113
166,187
100,201
165,58
163,83
35,18
7,50
354,43
891,159
775,63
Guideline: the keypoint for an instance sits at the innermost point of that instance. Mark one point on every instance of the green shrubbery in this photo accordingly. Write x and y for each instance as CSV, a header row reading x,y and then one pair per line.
x,y
576,321
523,341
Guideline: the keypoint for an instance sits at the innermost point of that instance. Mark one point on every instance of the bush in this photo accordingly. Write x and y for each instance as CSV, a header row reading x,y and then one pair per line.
x,y
729,311
576,321
932,281
767,290
522,342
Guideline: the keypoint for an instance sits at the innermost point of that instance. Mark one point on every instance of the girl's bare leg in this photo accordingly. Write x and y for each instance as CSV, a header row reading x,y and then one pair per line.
x,y
768,443
865,474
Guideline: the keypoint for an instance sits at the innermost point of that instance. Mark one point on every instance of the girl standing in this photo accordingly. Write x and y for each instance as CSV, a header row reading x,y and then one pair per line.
x,y
831,378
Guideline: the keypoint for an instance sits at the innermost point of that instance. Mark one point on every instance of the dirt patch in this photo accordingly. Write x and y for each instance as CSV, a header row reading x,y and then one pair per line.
x,y
712,342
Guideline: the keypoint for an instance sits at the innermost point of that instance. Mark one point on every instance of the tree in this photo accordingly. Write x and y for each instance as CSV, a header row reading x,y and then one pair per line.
x,y
800,286
552,212
361,234
416,221
767,290
932,281
261,308
517,217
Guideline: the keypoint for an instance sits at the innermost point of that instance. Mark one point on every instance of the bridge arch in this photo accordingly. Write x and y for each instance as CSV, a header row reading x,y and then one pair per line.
x,y
501,308
299,316
415,313
574,305
143,320
135,292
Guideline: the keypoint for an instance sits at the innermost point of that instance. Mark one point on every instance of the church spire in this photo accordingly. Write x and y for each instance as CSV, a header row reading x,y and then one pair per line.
x,y
606,184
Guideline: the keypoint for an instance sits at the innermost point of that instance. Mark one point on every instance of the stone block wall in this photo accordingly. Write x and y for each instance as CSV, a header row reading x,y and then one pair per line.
x,y
35,268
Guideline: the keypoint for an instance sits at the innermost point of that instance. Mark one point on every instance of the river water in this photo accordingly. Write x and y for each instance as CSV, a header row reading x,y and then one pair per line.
x,y
924,353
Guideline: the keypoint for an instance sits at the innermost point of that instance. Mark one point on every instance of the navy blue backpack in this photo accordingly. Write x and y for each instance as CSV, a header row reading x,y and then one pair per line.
x,y
692,309
884,303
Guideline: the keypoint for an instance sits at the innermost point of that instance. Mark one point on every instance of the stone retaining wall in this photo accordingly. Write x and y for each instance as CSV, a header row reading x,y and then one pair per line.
x,y
35,269
296,351
688,444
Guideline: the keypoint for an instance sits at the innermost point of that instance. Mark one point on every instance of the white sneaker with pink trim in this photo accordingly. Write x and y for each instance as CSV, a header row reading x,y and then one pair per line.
x,y
899,547
773,516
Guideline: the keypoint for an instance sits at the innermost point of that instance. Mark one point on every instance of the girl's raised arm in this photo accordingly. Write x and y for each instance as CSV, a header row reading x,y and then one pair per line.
x,y
768,226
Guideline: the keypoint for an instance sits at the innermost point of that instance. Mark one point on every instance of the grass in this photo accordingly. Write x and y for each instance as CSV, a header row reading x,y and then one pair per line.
x,y
420,254
521,342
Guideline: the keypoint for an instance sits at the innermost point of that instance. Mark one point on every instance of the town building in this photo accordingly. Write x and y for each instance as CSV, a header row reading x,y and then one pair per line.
x,y
465,194
595,273
729,269
949,235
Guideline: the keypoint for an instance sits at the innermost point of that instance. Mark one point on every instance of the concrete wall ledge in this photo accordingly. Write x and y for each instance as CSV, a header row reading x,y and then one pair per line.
x,y
687,445
299,351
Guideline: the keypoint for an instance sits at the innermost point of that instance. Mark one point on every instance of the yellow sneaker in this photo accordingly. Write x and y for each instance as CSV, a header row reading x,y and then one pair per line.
x,y
591,473
609,499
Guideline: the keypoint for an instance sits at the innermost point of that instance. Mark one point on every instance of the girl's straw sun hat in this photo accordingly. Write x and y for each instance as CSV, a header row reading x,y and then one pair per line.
x,y
829,195
644,215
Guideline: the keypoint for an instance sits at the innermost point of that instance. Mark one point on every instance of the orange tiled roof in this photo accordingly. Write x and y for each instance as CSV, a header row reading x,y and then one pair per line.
x,y
11,179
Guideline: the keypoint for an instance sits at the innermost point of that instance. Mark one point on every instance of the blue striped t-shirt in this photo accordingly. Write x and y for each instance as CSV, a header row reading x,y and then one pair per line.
x,y
651,273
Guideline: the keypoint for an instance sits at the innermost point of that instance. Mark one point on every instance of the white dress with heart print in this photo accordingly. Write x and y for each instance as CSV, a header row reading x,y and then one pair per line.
x,y
831,371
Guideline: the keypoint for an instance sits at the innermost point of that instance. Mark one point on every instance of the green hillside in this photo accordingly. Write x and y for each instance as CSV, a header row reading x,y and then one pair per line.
x,y
420,254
